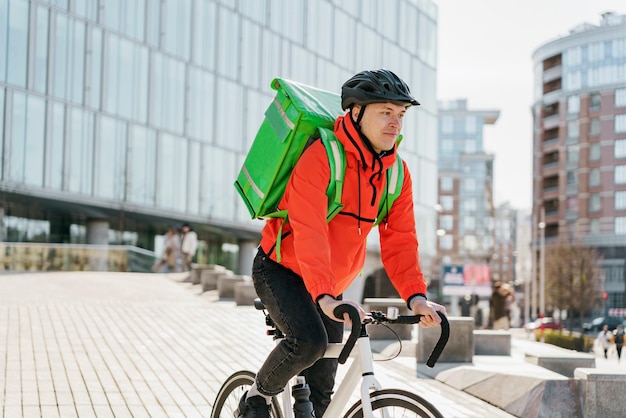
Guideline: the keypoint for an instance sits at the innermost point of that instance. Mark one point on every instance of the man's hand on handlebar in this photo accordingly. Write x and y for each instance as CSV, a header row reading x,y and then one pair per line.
x,y
429,311
328,305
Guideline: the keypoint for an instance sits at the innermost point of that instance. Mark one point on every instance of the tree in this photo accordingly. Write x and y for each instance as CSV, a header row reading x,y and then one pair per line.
x,y
573,276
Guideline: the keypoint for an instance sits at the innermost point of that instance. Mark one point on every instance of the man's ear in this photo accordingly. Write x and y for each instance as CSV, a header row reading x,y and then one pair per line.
x,y
354,111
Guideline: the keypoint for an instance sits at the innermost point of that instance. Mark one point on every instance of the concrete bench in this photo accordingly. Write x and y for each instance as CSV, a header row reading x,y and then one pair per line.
x,y
245,293
226,285
379,332
492,343
601,393
208,278
197,269
564,363
460,346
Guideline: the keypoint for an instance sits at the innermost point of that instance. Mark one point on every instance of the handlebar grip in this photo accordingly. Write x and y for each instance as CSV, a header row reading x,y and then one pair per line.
x,y
354,332
441,343
406,319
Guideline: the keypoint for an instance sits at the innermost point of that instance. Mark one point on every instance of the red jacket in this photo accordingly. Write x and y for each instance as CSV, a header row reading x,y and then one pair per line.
x,y
328,256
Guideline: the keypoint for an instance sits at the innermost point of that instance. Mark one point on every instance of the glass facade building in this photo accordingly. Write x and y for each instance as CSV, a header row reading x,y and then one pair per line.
x,y
579,143
139,113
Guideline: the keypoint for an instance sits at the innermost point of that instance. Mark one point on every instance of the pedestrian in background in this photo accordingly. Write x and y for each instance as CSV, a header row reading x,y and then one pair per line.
x,y
618,339
171,252
499,306
604,340
189,244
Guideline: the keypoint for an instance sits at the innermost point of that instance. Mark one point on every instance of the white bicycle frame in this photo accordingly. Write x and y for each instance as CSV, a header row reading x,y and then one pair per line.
x,y
362,367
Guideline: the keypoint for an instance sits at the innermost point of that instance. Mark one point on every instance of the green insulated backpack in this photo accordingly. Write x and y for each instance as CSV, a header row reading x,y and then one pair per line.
x,y
298,115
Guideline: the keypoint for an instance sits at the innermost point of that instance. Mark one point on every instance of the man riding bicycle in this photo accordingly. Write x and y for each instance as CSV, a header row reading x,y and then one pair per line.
x,y
319,260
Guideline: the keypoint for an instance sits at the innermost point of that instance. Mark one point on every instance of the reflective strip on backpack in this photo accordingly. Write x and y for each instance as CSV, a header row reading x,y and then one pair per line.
x,y
256,189
338,162
393,179
284,115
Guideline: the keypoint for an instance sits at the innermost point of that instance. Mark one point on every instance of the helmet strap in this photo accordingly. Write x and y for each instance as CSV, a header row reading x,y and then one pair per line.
x,y
360,117
357,125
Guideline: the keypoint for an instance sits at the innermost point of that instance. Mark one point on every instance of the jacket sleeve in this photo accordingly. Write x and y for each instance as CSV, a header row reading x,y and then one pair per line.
x,y
399,244
307,207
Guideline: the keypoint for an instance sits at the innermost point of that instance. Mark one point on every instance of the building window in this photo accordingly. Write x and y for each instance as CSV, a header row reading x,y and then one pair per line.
x,y
594,127
594,177
619,149
445,242
469,223
572,178
620,174
573,104
470,125
594,151
573,80
618,47
594,101
469,184
594,226
447,124
620,200
594,202
572,154
573,129
470,146
620,123
595,51
446,222
573,56
447,184
620,225
620,97
447,203
469,205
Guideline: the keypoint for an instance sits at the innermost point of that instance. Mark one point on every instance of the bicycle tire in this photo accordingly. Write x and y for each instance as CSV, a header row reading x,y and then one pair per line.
x,y
233,388
396,403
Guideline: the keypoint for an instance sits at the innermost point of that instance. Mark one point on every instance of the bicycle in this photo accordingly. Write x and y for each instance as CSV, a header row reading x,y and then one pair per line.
x,y
386,403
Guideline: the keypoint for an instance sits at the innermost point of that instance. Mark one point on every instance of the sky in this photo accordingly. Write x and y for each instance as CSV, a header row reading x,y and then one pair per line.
x,y
485,56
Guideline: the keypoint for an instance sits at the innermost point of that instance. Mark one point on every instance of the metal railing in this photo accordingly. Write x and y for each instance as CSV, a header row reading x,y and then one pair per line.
x,y
22,256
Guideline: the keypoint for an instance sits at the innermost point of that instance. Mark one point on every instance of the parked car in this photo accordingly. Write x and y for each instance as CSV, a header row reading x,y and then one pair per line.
x,y
598,323
548,323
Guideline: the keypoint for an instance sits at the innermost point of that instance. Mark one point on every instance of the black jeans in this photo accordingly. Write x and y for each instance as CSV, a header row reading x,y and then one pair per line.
x,y
307,329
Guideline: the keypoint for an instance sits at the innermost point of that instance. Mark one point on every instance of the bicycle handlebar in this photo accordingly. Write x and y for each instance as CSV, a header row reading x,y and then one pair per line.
x,y
379,317
354,332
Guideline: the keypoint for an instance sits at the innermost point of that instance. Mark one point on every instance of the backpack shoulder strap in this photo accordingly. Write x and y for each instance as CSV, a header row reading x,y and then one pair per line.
x,y
337,163
395,178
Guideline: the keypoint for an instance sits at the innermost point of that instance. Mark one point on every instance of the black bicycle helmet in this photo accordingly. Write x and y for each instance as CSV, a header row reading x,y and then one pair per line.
x,y
376,86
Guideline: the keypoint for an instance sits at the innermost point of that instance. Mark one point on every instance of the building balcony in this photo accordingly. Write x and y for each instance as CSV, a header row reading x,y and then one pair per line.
x,y
550,168
550,144
551,122
550,191
551,96
552,74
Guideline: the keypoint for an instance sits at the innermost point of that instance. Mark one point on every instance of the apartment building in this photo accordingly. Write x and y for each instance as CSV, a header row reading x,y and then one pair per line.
x,y
579,144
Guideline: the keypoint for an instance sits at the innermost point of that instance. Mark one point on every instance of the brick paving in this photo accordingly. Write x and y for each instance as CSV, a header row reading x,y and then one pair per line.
x,y
86,344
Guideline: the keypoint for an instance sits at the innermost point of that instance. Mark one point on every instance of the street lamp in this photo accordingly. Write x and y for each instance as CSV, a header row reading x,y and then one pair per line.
x,y
542,263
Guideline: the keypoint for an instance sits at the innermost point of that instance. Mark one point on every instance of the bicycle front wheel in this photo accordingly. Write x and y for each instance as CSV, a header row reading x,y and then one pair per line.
x,y
395,403
227,399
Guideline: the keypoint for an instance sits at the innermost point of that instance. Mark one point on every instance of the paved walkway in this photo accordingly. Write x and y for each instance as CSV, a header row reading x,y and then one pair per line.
x,y
86,344
90,344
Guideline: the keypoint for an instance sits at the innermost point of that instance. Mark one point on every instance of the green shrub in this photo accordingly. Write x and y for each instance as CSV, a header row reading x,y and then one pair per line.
x,y
564,339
